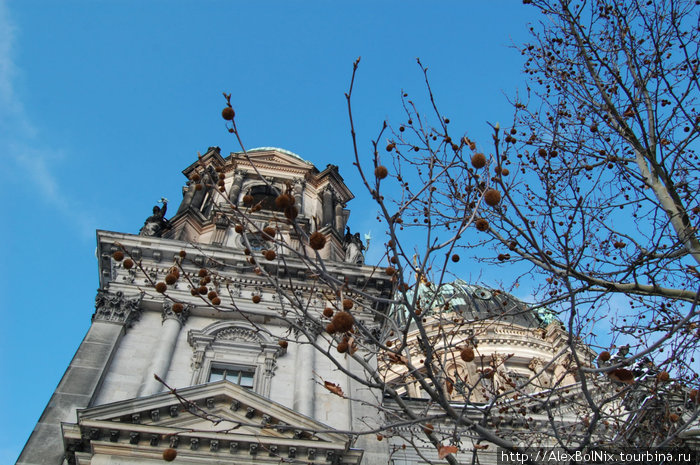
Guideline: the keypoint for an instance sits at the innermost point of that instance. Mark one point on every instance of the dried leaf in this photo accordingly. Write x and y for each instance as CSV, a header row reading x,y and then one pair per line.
x,y
481,446
444,451
449,386
334,388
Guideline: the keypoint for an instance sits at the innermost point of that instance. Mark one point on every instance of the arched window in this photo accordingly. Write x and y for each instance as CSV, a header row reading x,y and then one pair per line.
x,y
265,195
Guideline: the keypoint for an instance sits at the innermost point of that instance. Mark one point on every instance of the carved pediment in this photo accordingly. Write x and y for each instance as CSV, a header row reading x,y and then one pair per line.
x,y
220,420
277,158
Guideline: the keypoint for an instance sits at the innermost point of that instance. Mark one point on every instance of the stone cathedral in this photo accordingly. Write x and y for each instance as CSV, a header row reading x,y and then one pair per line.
x,y
241,386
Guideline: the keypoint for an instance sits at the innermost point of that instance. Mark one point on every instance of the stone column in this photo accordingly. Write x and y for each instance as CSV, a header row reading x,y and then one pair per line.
x,y
236,187
298,192
327,201
160,363
339,218
80,385
305,363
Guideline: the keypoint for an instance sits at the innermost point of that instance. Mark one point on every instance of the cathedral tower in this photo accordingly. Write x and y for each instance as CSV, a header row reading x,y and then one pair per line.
x,y
189,299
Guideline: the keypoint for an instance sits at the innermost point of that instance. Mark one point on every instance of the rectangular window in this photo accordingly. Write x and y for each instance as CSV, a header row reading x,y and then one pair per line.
x,y
242,377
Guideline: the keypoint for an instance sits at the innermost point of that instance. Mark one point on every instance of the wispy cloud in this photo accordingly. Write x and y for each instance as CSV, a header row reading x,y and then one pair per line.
x,y
19,136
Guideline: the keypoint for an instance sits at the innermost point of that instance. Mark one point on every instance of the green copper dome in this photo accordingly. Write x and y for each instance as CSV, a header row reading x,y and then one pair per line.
x,y
475,303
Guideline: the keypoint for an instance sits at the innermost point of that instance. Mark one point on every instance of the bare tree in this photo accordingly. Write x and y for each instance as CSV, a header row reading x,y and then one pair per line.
x,y
594,189
591,194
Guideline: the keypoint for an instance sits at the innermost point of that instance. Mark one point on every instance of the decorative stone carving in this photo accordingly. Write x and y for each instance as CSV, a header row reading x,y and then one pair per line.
x,y
116,307
169,314
234,289
306,326
237,335
535,364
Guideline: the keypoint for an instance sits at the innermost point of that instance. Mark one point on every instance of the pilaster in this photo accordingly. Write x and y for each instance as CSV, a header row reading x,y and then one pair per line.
x,y
114,312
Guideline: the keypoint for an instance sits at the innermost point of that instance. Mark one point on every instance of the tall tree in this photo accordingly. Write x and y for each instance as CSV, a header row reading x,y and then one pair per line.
x,y
591,194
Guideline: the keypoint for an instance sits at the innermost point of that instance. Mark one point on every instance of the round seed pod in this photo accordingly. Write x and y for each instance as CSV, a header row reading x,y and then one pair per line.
x,y
270,254
455,258
381,172
291,213
227,113
170,278
161,287
347,304
604,356
467,354
118,255
492,197
283,344
128,264
342,321
478,160
169,455
178,307
182,254
247,199
317,241
196,177
343,346
256,299
216,301
663,376
328,312
284,201
390,270
202,272
674,417
211,295
194,291
330,329
694,395
269,231
238,228
482,225
202,290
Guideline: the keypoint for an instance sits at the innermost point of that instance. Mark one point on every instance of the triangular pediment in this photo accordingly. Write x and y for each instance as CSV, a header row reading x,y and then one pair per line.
x,y
219,418
277,158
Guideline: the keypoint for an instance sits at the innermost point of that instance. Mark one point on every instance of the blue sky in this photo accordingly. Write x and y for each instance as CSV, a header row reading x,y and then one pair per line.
x,y
103,103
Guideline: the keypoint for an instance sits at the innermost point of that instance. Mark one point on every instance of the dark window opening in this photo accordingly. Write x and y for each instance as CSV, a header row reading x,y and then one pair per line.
x,y
265,195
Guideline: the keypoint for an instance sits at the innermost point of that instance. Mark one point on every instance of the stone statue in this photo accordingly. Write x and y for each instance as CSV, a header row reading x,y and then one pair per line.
x,y
156,224
353,248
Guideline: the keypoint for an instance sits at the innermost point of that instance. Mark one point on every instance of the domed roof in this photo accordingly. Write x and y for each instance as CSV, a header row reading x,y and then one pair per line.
x,y
476,303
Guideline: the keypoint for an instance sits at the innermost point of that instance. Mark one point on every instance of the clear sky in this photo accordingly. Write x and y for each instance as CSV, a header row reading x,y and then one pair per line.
x,y
103,103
